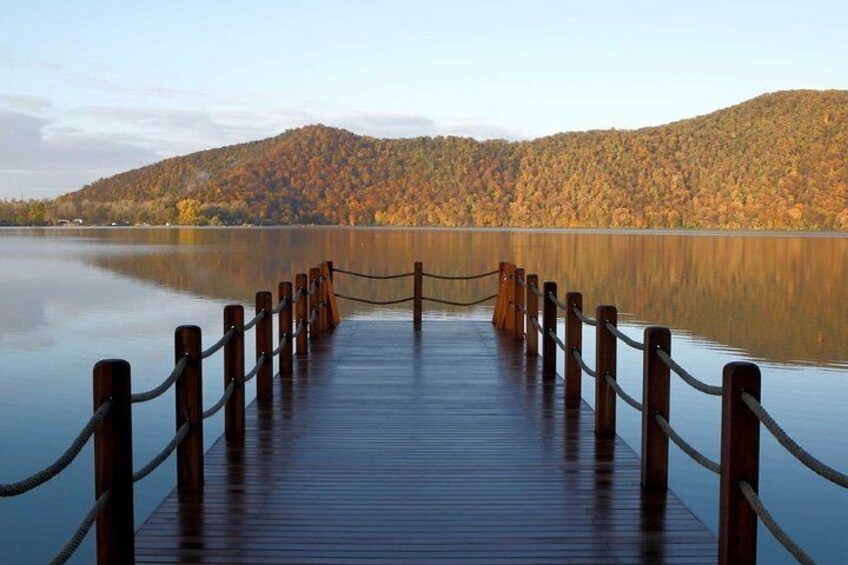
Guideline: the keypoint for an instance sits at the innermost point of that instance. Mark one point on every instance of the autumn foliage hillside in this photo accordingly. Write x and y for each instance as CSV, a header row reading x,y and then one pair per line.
x,y
775,162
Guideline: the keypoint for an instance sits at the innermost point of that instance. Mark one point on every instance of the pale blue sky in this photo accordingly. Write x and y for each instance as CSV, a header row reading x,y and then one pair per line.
x,y
92,88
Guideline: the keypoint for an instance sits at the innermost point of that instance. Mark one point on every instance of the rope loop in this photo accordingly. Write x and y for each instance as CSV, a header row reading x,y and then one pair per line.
x,y
621,393
769,522
452,303
176,373
82,530
686,376
552,334
459,277
219,344
162,455
256,319
228,392
624,337
687,448
582,317
376,277
375,302
579,356
39,478
783,438
560,305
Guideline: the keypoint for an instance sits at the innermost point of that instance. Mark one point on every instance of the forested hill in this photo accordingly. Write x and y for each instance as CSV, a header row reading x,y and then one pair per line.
x,y
779,161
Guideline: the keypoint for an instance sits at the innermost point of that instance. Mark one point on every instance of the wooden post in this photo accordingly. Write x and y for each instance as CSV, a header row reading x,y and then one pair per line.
x,y
509,303
333,318
605,364
284,322
518,299
234,372
323,303
418,294
314,329
740,461
189,407
655,400
301,313
532,313
264,346
573,341
113,463
549,324
499,301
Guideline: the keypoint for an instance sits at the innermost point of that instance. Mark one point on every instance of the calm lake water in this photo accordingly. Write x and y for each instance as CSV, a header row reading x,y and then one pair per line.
x,y
70,297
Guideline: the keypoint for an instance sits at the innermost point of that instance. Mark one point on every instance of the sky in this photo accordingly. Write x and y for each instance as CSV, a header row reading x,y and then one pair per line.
x,y
92,88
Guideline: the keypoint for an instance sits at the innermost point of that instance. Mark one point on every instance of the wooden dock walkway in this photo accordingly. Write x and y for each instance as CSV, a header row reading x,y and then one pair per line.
x,y
396,445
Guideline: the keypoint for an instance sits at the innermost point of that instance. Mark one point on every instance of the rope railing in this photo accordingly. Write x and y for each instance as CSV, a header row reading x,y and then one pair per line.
x,y
624,337
376,277
579,357
39,478
162,455
686,376
166,384
783,438
521,282
686,447
228,392
255,369
536,291
281,305
582,317
82,530
622,393
459,277
452,303
313,317
375,302
560,305
297,295
537,325
769,522
256,319
218,344
552,334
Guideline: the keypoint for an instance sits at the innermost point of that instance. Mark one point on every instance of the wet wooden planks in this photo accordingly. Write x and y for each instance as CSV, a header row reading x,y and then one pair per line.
x,y
442,445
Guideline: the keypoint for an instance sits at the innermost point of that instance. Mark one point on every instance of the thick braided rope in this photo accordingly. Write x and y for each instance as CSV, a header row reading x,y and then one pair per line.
x,y
586,369
460,277
686,376
68,550
375,302
228,392
219,344
452,303
582,317
560,305
249,326
620,392
281,306
770,523
624,337
537,325
377,277
176,373
41,477
792,446
537,292
162,455
558,341
255,369
687,448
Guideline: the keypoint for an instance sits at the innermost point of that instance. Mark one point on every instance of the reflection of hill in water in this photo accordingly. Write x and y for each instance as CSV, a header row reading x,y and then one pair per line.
x,y
779,298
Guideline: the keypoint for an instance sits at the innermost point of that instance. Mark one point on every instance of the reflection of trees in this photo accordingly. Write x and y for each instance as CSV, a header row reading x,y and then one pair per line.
x,y
778,298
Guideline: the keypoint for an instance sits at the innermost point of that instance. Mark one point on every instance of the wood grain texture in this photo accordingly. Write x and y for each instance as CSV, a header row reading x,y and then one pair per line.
x,y
442,445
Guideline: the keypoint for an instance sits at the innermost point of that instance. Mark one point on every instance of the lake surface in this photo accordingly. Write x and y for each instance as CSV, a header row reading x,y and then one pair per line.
x,y
69,297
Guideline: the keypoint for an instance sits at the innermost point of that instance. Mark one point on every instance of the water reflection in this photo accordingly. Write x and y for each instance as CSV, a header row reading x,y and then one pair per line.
x,y
777,298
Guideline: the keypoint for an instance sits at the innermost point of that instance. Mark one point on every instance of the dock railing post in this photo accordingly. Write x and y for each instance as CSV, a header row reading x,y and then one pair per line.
x,y
284,323
518,299
499,301
323,303
740,461
234,372
573,342
532,314
314,328
301,284
655,400
509,306
418,294
605,364
113,463
264,346
189,407
549,324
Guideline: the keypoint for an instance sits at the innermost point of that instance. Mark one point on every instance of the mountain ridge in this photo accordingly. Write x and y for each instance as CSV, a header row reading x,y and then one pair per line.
x,y
773,162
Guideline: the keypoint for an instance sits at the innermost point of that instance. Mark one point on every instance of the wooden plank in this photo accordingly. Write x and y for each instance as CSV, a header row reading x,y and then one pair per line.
x,y
442,445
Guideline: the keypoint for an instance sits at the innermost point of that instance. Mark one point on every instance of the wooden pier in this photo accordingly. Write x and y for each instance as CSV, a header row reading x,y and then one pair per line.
x,y
397,445
422,441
